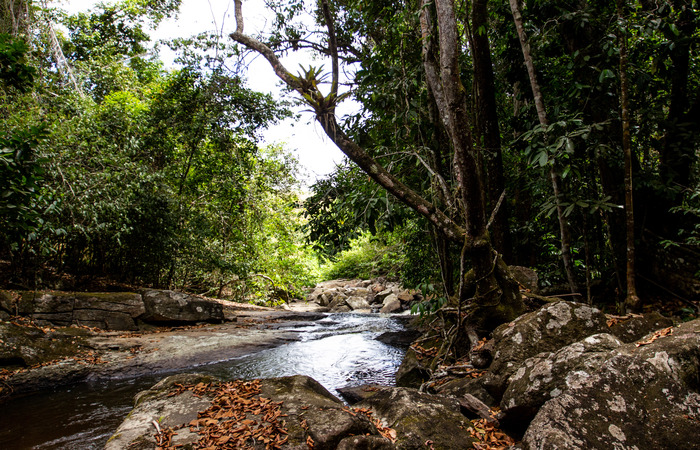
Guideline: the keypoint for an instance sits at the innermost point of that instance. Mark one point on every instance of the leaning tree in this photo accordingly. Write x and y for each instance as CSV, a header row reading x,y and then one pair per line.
x,y
487,295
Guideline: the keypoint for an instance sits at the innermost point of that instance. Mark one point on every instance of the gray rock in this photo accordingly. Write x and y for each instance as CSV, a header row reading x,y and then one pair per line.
x,y
357,303
642,397
526,277
548,375
365,443
391,304
461,387
379,298
333,297
405,297
546,330
155,405
358,292
637,327
309,411
314,296
418,418
172,307
24,346
411,372
109,310
339,304
354,394
330,284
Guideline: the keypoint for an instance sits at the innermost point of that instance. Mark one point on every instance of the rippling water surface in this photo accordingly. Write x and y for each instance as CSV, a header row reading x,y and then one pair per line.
x,y
339,350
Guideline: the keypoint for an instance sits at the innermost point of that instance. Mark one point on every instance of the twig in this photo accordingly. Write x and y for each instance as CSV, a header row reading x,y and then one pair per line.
x,y
495,210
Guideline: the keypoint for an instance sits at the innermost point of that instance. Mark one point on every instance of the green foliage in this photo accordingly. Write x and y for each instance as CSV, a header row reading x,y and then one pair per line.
x,y
21,200
15,70
154,177
367,257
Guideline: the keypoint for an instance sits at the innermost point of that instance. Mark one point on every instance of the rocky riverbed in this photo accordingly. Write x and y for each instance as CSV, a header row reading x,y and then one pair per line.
x,y
40,357
562,376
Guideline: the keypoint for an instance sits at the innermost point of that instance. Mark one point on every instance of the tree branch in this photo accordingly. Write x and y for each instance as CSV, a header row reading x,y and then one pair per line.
x,y
325,115
332,47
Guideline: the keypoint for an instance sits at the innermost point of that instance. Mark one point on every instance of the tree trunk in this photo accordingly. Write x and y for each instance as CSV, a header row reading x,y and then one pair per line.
x,y
496,298
632,301
553,172
678,153
487,124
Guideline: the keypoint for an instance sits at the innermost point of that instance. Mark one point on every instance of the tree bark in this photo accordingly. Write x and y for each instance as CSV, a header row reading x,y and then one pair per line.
x,y
632,301
544,121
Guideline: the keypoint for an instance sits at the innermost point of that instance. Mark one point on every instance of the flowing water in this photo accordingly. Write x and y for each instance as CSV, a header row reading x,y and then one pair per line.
x,y
339,350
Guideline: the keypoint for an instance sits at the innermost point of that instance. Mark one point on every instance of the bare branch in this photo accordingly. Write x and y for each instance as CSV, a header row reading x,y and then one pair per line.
x,y
264,50
332,46
440,180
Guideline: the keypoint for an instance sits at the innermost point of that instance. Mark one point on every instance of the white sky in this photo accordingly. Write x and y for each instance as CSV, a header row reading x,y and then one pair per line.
x,y
304,137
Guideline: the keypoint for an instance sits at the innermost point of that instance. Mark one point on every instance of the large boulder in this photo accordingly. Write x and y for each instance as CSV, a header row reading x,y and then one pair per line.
x,y
156,404
358,303
548,375
391,304
308,413
26,346
637,326
548,329
107,310
645,396
339,304
419,418
412,372
461,387
170,307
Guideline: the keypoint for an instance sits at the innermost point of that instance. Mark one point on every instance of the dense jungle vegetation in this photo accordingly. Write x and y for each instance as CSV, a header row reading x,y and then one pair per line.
x,y
562,136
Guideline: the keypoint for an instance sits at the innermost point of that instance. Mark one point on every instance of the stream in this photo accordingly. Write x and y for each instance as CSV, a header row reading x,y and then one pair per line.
x,y
339,350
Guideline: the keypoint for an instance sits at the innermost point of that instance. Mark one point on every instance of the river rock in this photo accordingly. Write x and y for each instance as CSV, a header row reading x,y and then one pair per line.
x,y
380,296
638,326
24,346
355,394
339,304
309,412
357,303
155,404
548,375
461,387
362,295
419,418
391,304
170,307
548,329
107,310
642,397
402,338
411,372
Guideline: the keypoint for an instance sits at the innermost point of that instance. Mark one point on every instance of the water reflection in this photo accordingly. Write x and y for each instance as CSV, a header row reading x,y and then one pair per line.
x,y
335,361
339,350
